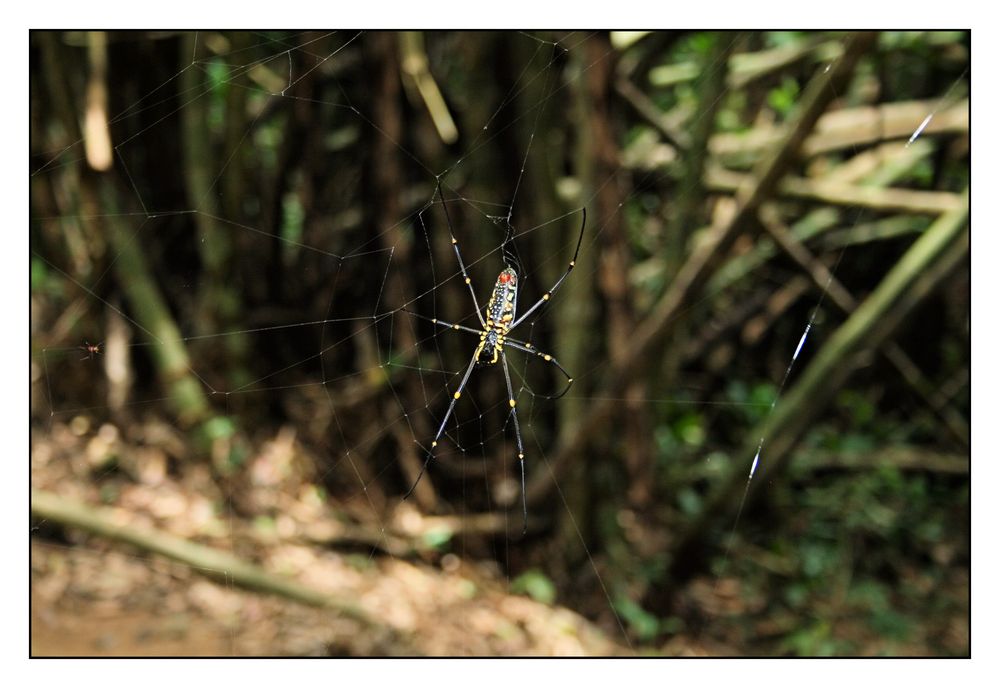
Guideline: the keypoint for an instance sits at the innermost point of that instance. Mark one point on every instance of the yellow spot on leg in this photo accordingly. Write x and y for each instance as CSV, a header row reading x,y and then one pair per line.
x,y
572,263
546,297
547,357
513,403
468,281
434,444
520,456
458,394
454,240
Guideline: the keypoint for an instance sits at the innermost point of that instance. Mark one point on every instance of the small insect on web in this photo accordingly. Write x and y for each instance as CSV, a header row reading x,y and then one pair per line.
x,y
501,319
91,349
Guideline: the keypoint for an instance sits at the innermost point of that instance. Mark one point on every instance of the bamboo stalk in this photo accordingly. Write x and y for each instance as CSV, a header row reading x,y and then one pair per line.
x,y
96,133
646,108
912,459
870,169
756,188
386,174
918,273
905,458
852,128
173,365
745,68
691,192
205,560
415,66
98,198
652,331
836,193
827,282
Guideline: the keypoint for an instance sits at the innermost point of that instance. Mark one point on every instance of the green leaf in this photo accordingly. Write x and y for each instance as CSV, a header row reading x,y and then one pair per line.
x,y
689,501
219,428
690,429
642,623
535,585
783,98
38,274
438,538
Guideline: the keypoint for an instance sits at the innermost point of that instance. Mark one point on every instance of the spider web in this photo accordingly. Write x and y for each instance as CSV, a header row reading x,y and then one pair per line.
x,y
336,343
364,315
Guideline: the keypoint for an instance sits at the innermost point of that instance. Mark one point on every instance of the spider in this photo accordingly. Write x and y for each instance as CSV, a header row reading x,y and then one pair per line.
x,y
91,349
500,320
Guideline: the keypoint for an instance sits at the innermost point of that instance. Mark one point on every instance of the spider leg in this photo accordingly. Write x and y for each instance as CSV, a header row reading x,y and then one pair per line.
x,y
548,358
447,415
442,323
517,433
508,341
548,295
458,254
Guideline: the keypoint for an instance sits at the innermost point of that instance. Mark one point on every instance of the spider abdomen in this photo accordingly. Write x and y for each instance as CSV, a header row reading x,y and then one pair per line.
x,y
502,306
500,312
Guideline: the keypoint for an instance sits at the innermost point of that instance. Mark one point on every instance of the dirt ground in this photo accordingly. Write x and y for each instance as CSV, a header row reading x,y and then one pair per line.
x,y
91,596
